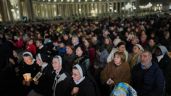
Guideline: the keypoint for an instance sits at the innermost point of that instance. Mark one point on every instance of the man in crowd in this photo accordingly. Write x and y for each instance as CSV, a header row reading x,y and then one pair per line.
x,y
147,77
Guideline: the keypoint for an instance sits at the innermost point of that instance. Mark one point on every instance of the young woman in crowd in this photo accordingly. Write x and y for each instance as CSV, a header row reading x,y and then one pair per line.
x,y
82,57
135,56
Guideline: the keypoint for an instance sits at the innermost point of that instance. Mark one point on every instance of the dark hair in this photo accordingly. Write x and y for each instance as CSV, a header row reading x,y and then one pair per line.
x,y
82,48
121,43
70,46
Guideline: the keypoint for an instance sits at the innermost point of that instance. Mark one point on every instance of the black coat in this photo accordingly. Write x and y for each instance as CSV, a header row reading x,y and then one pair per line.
x,y
165,65
68,61
45,82
43,50
64,87
86,88
148,82
22,69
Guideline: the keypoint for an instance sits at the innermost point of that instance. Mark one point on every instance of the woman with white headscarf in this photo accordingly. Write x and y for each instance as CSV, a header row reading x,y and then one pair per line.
x,y
63,84
26,70
84,86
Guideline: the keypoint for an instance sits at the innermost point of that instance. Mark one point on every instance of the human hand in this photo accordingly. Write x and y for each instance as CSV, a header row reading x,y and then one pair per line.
x,y
110,81
74,90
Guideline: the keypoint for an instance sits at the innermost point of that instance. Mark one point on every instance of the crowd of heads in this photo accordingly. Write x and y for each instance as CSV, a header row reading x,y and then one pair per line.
x,y
92,39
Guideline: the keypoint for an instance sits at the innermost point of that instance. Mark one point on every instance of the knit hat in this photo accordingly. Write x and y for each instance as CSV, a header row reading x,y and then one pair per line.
x,y
27,54
140,47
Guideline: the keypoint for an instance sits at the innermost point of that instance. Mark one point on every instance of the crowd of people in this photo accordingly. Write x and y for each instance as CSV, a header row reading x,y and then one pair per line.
x,y
86,57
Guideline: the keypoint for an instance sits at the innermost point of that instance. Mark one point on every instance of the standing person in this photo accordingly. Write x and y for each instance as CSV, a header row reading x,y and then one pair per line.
x,y
84,86
42,88
147,78
63,83
116,71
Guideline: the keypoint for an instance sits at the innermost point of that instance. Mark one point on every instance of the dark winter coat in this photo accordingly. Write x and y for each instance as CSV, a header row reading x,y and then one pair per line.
x,y
165,65
64,87
45,82
86,88
149,82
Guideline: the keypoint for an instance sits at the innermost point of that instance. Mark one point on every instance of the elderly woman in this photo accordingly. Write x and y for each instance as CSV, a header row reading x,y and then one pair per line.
x,y
116,71
62,85
26,71
44,75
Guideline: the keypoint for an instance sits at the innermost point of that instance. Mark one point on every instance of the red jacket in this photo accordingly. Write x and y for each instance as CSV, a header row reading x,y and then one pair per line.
x,y
31,48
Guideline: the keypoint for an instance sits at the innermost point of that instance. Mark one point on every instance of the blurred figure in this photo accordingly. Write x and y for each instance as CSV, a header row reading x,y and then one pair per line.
x,y
31,47
165,65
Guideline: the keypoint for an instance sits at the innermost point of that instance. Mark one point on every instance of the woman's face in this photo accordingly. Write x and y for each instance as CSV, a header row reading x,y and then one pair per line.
x,y
56,64
75,40
79,52
30,42
28,60
136,49
76,75
151,42
107,41
69,50
121,48
117,60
